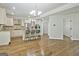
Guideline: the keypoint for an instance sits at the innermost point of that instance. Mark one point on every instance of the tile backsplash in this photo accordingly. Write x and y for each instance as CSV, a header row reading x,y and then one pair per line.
x,y
15,27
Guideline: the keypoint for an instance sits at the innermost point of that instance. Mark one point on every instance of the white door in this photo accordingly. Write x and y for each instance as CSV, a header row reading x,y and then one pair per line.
x,y
68,26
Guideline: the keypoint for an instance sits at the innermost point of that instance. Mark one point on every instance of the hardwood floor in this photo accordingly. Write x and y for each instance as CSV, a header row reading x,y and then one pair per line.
x,y
41,47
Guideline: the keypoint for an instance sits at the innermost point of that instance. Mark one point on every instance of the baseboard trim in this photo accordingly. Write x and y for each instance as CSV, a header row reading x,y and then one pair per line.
x,y
56,38
17,37
74,39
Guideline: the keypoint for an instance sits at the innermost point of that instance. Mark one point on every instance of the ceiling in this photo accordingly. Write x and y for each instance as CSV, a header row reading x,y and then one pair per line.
x,y
23,9
69,11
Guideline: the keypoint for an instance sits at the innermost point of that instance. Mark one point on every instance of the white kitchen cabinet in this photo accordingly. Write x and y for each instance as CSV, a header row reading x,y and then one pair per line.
x,y
16,33
4,37
17,21
9,21
2,15
22,22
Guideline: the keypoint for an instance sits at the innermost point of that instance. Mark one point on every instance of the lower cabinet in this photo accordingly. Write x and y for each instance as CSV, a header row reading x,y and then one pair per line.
x,y
4,37
16,33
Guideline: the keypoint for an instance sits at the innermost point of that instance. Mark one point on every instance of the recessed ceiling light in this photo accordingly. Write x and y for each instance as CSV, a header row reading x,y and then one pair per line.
x,y
13,8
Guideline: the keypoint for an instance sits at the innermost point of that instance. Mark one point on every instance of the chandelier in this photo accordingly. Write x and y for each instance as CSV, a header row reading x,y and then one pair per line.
x,y
35,12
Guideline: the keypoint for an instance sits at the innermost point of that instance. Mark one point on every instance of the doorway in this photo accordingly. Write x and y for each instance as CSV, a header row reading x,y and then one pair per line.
x,y
67,27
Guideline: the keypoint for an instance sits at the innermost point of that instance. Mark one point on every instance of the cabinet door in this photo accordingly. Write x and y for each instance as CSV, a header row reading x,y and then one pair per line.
x,y
2,16
1,20
16,33
22,22
9,22
4,38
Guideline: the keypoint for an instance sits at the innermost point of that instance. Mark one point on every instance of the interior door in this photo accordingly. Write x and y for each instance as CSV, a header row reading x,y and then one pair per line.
x,y
68,26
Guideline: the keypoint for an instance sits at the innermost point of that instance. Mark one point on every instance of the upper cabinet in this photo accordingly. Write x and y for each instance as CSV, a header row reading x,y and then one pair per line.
x,y
9,21
22,22
17,22
2,15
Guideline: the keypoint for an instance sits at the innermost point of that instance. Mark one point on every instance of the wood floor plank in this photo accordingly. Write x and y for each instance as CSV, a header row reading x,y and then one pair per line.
x,y
41,47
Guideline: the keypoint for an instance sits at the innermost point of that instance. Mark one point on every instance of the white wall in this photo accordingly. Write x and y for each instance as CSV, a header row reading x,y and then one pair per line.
x,y
55,32
66,25
45,25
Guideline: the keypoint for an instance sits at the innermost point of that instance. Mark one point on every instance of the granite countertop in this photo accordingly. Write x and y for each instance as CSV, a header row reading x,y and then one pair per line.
x,y
4,31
